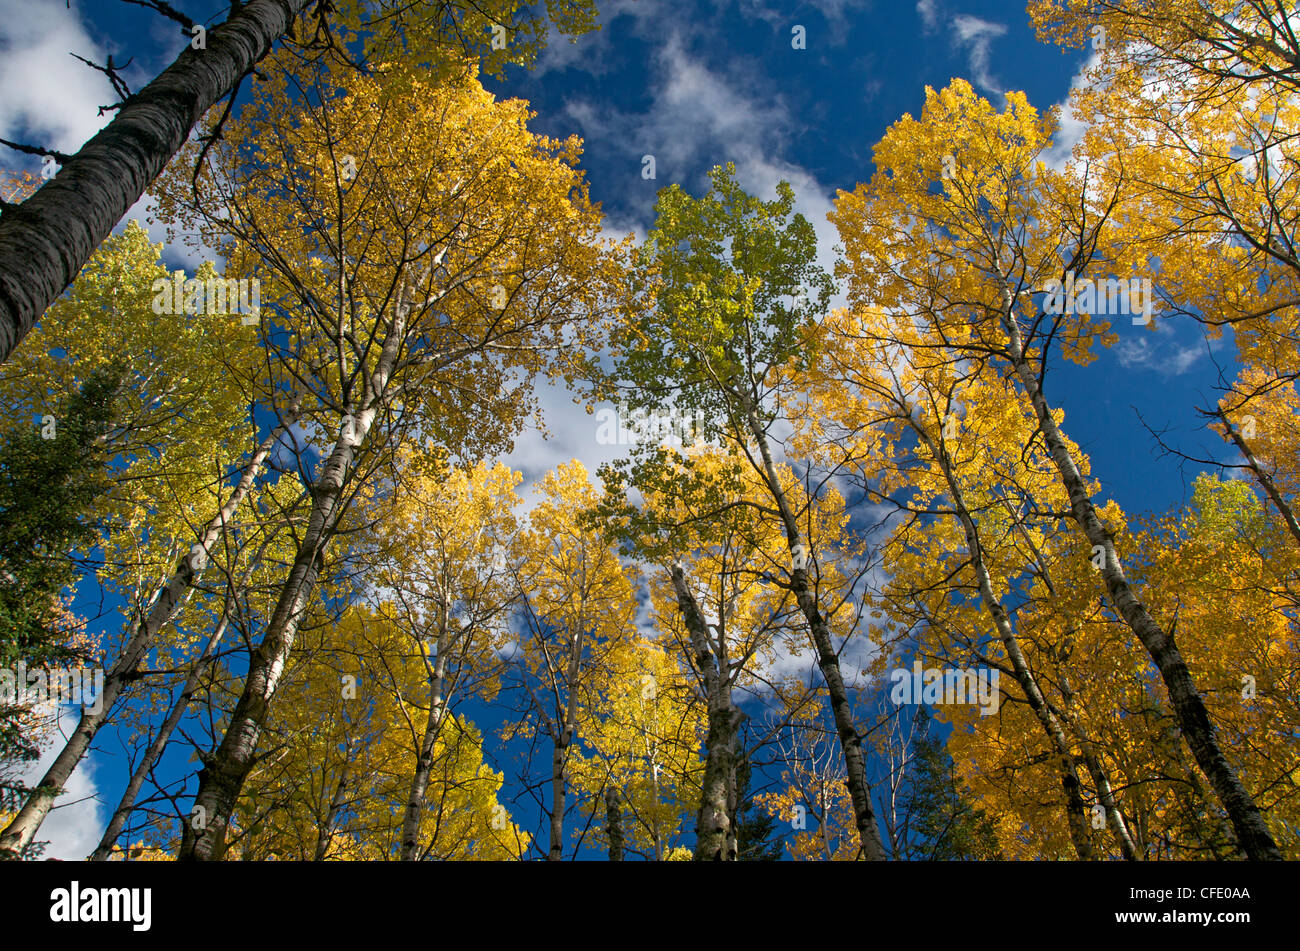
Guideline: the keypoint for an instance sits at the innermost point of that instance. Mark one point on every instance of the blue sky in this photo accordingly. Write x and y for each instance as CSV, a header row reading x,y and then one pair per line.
x,y
693,85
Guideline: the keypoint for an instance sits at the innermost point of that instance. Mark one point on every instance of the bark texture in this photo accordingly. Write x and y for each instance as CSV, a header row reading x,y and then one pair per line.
x,y
715,833
47,239
166,602
1248,822
108,840
225,771
614,824
415,800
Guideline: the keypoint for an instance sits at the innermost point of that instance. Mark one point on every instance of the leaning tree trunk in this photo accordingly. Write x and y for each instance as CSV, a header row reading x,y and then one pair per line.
x,y
827,659
1247,821
1101,782
166,602
1128,848
45,241
225,771
127,803
715,833
1076,809
1263,478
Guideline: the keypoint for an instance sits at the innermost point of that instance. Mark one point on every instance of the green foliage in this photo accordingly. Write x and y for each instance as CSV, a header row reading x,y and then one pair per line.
x,y
50,475
942,823
756,838
734,282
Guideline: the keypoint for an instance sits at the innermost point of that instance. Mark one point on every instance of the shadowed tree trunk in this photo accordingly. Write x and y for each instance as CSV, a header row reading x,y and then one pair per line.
x,y
613,824
1076,810
166,602
45,241
1247,821
115,825
873,847
715,833
226,770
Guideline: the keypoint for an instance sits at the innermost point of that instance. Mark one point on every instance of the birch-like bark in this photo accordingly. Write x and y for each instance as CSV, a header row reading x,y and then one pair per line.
x,y
1114,818
225,771
562,739
1264,479
1101,782
46,240
164,606
1248,823
828,660
715,833
1076,810
613,824
415,801
108,840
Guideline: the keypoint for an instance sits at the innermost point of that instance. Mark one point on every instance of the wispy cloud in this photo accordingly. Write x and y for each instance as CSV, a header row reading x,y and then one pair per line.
x,y
74,825
976,36
1167,361
928,11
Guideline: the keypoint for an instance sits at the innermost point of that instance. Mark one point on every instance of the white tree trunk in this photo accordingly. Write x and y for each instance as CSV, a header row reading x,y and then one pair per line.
x,y
166,602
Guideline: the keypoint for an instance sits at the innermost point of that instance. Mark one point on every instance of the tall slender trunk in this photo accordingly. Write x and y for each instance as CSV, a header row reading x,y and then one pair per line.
x,y
1247,821
656,839
613,824
715,833
166,602
45,241
1076,810
827,659
1263,478
150,759
225,771
559,745
424,763
562,737
1106,799
325,836
1101,782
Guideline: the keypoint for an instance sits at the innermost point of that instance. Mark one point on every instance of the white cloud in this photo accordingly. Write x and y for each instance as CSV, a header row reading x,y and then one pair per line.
x,y
928,11
74,825
1071,128
1167,361
976,36
48,98
701,117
